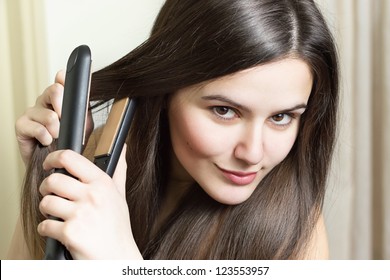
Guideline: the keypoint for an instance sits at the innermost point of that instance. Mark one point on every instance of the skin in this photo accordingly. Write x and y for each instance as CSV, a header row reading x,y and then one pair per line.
x,y
245,122
249,128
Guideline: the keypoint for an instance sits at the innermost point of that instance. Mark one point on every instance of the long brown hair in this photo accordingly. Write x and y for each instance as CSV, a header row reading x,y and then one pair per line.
x,y
195,41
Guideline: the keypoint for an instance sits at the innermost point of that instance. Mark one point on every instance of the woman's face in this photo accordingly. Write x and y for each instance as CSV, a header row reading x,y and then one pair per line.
x,y
227,134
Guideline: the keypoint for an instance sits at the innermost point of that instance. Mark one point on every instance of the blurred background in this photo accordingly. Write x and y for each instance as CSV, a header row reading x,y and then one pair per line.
x,y
36,38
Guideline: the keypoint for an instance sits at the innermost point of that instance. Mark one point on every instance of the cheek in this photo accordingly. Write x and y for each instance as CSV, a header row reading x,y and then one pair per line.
x,y
279,146
196,136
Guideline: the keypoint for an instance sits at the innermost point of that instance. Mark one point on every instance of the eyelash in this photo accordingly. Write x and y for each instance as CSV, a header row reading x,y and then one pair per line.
x,y
214,109
292,116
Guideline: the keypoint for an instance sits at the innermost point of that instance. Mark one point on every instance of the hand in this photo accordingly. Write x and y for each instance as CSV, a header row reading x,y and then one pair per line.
x,y
96,222
41,123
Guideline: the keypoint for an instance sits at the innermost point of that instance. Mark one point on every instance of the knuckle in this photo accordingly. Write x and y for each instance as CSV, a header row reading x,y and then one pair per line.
x,y
95,197
57,89
64,156
19,124
40,132
51,117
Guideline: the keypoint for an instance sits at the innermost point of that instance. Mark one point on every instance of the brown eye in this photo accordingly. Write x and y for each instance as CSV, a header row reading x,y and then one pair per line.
x,y
221,110
225,113
282,119
278,117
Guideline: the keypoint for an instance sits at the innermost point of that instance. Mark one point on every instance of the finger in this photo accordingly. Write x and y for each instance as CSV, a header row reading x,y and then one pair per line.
x,y
76,164
60,77
53,229
55,206
26,130
52,98
62,185
59,230
119,176
46,117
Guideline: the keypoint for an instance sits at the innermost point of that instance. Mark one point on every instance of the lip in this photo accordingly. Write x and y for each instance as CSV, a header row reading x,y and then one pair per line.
x,y
237,177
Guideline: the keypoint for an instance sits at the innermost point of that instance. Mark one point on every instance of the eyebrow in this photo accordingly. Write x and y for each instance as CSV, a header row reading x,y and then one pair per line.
x,y
296,107
242,107
226,100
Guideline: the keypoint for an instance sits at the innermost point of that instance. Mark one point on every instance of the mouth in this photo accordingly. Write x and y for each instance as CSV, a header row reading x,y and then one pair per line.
x,y
237,177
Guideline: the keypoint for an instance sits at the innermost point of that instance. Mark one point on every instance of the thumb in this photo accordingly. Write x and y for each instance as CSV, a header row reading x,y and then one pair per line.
x,y
119,176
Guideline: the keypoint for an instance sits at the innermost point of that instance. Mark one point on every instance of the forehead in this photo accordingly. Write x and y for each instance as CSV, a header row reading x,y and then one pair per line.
x,y
278,75
284,81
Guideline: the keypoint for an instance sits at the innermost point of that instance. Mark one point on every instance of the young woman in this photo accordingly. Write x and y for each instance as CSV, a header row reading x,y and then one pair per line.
x,y
229,151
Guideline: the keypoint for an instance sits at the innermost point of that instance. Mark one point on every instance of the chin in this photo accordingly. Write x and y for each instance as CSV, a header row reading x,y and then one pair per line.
x,y
231,198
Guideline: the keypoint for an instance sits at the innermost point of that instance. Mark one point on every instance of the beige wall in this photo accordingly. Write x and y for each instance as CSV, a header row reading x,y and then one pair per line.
x,y
22,70
9,168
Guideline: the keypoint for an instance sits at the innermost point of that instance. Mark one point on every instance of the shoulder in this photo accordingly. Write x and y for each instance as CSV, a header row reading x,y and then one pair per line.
x,y
318,247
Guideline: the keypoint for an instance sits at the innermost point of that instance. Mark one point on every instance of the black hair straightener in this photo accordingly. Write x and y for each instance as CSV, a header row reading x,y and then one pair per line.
x,y
73,126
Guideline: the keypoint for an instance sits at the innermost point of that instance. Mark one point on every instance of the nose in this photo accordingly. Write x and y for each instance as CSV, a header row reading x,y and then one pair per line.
x,y
250,147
